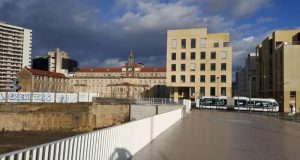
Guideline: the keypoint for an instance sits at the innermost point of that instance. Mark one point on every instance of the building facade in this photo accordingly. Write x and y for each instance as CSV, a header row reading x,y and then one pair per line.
x,y
132,80
56,61
33,80
198,63
278,60
15,53
242,77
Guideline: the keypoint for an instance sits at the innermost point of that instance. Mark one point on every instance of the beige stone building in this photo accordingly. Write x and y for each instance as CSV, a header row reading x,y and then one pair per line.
x,y
132,80
33,80
198,63
278,60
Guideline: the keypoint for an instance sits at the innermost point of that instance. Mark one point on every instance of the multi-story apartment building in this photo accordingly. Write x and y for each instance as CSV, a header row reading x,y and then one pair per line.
x,y
242,77
56,61
132,80
198,63
278,60
15,53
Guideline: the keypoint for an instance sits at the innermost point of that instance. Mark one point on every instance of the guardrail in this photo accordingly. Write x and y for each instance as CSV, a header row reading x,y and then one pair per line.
x,y
120,141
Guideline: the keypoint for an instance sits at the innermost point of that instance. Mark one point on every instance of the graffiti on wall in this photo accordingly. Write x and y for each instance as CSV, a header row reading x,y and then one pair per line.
x,y
46,97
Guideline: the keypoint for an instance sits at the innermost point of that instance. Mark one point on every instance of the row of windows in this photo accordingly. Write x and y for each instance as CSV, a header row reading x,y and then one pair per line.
x,y
213,78
212,91
193,43
202,67
193,55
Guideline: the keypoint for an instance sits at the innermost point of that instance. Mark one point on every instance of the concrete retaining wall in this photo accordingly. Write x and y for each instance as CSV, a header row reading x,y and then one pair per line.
x,y
144,111
75,117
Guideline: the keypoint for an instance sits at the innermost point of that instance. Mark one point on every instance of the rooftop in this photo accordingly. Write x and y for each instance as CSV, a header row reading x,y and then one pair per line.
x,y
45,73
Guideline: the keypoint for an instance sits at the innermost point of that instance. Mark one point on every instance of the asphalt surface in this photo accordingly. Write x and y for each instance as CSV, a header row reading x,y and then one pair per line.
x,y
215,135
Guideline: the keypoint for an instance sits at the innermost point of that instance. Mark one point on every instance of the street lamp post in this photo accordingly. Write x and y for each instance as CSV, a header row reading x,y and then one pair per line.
x,y
250,81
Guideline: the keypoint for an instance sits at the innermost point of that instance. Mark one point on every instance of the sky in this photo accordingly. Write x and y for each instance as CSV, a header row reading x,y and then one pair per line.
x,y
101,33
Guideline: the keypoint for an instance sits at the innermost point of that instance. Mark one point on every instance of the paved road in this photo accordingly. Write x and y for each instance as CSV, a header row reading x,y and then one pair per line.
x,y
217,135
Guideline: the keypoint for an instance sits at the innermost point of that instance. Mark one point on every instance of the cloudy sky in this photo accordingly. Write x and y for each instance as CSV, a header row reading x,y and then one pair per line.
x,y
102,32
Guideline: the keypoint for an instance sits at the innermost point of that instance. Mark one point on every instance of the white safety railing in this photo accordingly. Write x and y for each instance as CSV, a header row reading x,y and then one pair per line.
x,y
109,143
154,101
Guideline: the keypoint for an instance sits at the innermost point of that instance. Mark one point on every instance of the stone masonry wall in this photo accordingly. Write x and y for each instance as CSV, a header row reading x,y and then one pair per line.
x,y
70,117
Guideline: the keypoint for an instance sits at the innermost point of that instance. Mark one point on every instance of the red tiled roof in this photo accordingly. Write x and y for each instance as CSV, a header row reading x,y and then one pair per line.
x,y
100,70
45,73
153,70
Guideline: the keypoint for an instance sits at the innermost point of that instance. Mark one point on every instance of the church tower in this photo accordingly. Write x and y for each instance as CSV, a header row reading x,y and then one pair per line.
x,y
131,59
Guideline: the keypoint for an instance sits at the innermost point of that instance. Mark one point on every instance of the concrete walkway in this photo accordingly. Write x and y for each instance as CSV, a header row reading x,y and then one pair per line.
x,y
217,135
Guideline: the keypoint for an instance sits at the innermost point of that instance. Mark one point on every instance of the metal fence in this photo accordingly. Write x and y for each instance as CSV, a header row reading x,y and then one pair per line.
x,y
109,143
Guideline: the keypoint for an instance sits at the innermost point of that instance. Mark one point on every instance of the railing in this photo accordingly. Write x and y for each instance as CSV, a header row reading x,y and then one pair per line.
x,y
154,101
110,143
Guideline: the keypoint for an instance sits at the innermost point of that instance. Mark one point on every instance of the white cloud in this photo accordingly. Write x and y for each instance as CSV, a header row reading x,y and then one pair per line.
x,y
246,8
249,39
237,8
113,62
156,16
266,19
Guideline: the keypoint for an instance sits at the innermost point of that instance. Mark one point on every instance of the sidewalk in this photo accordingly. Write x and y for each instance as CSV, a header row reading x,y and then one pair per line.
x,y
217,135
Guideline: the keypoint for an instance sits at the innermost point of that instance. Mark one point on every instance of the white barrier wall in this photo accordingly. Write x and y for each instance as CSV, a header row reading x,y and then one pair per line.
x,y
110,143
43,97
19,97
83,97
46,97
91,96
2,96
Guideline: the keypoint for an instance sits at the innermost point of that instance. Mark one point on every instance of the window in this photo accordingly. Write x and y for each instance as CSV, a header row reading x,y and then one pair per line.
x,y
182,78
202,54
223,91
183,43
213,55
223,66
174,43
202,78
193,43
212,91
173,56
202,91
212,78
193,55
216,44
223,78
182,67
173,78
183,55
223,54
192,78
193,67
203,42
202,67
212,66
173,67
226,44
